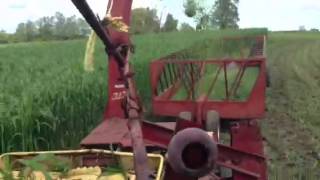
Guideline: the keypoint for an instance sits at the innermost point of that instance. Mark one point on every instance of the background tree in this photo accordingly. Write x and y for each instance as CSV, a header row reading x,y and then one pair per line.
x,y
144,20
4,37
222,15
20,33
26,31
45,27
198,11
225,14
170,24
31,31
302,28
59,26
203,19
71,28
186,27
190,8
84,29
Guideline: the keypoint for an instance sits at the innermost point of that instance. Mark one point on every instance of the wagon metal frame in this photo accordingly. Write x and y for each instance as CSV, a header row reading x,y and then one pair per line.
x,y
123,126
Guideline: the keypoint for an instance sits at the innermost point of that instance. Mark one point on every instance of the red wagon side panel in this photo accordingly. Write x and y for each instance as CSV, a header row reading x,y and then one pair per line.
x,y
251,108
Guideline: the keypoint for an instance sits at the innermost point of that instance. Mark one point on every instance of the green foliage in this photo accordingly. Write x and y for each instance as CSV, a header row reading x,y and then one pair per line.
x,y
199,12
45,163
314,30
26,31
4,37
55,27
21,32
225,14
47,101
222,15
6,169
292,128
45,27
69,27
144,20
170,24
203,20
59,29
34,115
190,8
219,47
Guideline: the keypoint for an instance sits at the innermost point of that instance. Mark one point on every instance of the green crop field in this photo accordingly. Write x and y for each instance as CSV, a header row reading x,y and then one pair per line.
x,y
47,100
292,124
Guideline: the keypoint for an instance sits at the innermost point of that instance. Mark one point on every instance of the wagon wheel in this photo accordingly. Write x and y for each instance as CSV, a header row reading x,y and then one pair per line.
x,y
212,123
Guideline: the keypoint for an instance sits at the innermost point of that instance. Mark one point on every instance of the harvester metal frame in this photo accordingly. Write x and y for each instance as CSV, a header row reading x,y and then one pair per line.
x,y
123,126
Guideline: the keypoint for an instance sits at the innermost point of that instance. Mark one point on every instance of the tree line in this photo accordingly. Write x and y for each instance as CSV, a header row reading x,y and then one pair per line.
x,y
146,20
221,15
57,27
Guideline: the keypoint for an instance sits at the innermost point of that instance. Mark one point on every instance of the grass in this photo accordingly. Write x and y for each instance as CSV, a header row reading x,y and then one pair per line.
x,y
47,101
293,120
212,84
218,48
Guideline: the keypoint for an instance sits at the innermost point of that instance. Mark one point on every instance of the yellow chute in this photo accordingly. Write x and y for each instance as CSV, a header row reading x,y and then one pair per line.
x,y
89,54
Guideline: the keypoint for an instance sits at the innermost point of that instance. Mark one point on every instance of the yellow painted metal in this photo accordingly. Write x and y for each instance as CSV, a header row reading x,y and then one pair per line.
x,y
155,161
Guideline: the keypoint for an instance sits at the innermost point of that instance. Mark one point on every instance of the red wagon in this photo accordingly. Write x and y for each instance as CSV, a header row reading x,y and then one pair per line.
x,y
203,97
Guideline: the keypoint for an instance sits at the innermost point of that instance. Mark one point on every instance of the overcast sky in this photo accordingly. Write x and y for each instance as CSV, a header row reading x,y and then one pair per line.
x,y
274,14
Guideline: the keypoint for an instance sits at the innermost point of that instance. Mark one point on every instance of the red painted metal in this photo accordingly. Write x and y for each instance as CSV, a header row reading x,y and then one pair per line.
x,y
116,83
251,108
245,156
115,131
123,100
247,138
122,125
